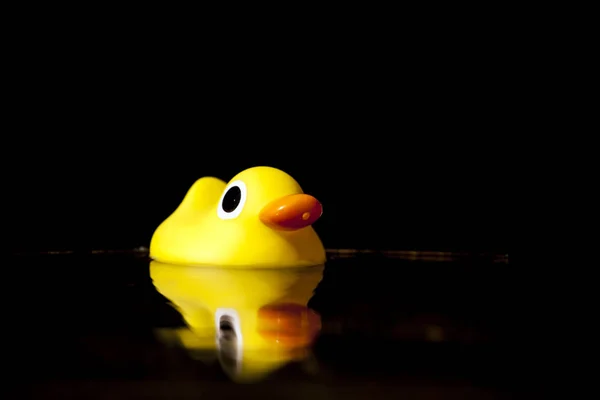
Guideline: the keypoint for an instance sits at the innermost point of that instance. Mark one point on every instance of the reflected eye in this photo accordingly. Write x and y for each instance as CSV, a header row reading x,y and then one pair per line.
x,y
229,339
232,201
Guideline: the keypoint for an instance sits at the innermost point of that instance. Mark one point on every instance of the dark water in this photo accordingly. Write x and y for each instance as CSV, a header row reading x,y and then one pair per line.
x,y
94,326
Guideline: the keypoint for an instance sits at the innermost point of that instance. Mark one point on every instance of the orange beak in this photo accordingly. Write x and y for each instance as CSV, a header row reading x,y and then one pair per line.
x,y
292,212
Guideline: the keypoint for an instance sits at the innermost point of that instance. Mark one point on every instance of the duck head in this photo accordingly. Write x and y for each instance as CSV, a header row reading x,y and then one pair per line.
x,y
261,218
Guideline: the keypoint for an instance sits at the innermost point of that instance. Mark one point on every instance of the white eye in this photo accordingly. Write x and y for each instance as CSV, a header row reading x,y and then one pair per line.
x,y
232,201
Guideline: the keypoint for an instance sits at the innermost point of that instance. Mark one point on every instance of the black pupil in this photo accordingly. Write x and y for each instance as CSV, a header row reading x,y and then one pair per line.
x,y
232,199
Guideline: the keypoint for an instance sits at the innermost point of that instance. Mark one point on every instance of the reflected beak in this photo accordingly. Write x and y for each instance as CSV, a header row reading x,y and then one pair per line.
x,y
288,324
292,212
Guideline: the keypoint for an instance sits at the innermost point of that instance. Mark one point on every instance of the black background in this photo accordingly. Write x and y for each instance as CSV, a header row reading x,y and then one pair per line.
x,y
401,129
404,143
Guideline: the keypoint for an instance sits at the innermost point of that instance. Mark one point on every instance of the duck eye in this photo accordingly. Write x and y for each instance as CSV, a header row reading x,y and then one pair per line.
x,y
232,201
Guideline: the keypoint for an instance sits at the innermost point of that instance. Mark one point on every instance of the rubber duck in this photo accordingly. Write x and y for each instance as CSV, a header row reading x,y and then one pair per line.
x,y
255,321
261,218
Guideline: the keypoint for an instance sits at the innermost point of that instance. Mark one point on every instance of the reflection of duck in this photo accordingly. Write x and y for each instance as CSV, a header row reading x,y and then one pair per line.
x,y
261,218
256,320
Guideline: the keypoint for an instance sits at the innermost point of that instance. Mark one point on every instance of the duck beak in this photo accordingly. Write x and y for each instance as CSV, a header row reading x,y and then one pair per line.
x,y
292,212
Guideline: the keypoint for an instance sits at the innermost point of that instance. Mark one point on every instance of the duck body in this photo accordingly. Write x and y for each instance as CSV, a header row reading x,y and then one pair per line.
x,y
260,219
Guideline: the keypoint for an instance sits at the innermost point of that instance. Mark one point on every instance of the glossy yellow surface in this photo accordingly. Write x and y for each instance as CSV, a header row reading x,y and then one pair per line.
x,y
196,234
206,296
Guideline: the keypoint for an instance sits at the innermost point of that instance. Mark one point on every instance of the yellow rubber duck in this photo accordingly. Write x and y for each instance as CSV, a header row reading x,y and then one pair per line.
x,y
260,219
255,321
